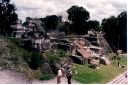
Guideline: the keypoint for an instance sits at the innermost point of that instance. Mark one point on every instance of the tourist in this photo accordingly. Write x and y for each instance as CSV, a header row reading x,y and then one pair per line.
x,y
118,64
59,75
69,74
126,75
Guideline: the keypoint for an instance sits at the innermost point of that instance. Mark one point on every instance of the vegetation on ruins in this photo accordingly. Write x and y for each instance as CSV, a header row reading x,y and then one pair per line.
x,y
32,63
94,24
31,57
11,57
78,23
16,54
56,57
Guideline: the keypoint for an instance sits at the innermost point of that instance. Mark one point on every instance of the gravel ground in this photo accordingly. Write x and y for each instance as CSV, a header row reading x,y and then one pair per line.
x,y
11,77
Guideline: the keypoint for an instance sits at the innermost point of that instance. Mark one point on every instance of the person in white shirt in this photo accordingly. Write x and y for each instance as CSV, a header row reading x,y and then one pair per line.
x,y
59,75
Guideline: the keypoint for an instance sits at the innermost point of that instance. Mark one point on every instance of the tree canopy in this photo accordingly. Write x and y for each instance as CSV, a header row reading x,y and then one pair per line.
x,y
51,22
64,27
93,24
122,20
7,16
78,14
115,29
78,17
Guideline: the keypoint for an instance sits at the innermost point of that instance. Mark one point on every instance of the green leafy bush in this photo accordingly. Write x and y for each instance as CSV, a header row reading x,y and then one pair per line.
x,y
46,77
12,56
17,41
35,60
31,57
55,57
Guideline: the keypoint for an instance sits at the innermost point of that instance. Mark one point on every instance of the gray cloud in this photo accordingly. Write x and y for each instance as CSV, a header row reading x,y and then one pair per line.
x,y
119,7
98,9
27,8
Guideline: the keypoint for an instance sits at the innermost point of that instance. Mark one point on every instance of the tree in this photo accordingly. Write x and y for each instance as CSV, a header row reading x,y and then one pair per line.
x,y
51,22
93,24
78,17
78,14
6,1
122,30
110,26
35,60
64,27
7,16
116,31
56,57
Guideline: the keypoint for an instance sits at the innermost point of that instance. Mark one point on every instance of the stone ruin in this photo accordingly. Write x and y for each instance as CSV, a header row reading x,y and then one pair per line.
x,y
84,52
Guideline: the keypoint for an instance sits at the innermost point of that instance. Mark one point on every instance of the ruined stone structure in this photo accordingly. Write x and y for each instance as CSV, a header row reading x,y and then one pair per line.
x,y
85,51
34,24
36,34
18,28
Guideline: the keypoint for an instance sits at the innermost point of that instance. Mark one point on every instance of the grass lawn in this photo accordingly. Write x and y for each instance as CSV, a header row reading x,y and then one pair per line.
x,y
99,76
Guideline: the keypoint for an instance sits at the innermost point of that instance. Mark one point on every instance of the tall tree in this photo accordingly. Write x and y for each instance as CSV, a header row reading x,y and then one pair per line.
x,y
7,16
93,24
78,17
110,28
122,30
51,22
64,27
116,31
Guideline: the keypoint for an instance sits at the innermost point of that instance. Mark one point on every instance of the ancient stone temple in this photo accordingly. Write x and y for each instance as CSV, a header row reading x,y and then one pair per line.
x,y
34,24
17,28
36,34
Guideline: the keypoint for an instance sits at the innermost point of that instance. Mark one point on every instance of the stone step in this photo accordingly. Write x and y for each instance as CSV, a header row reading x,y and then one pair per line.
x,y
123,81
118,80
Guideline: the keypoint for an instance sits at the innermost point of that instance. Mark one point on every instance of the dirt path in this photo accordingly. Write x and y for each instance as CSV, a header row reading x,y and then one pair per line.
x,y
53,81
11,77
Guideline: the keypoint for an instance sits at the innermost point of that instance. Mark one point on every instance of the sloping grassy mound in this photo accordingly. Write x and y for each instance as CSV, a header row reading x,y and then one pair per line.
x,y
11,57
15,56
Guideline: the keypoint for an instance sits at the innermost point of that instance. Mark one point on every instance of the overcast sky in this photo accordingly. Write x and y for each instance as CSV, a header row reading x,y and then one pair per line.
x,y
98,9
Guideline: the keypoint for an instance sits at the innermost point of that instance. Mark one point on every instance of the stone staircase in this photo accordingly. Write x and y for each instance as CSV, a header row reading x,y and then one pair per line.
x,y
121,79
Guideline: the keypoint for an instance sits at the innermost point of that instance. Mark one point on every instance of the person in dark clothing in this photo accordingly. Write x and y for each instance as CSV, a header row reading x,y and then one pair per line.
x,y
126,75
118,64
69,74
69,79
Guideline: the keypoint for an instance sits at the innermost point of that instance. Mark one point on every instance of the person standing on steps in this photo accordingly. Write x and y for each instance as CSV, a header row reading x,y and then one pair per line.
x,y
69,74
